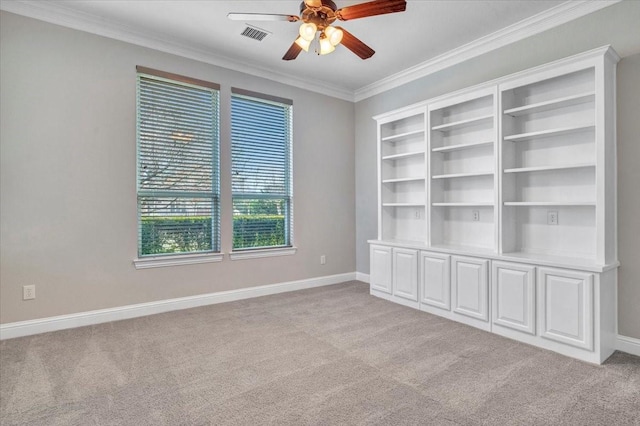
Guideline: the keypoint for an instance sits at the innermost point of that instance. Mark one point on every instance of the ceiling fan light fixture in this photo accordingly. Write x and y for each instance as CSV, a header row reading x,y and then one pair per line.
x,y
326,46
308,31
334,35
303,43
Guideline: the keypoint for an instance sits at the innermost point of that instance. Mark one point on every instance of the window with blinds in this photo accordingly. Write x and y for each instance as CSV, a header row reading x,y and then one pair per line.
x,y
178,169
261,141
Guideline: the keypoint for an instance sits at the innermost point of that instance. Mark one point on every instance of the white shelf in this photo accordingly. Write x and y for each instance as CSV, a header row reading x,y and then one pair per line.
x,y
403,204
462,146
401,136
462,123
546,168
403,155
550,203
408,179
471,204
552,104
462,175
548,133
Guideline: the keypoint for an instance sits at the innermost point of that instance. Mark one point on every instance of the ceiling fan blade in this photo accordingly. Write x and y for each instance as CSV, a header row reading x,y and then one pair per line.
x,y
261,17
293,52
313,3
372,8
354,44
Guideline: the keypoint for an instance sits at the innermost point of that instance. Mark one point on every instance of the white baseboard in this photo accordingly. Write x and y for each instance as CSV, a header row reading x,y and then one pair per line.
x,y
44,325
630,345
360,276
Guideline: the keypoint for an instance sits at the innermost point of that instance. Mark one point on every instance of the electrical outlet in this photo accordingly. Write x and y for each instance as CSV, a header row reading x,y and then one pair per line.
x,y
552,218
28,292
323,259
476,215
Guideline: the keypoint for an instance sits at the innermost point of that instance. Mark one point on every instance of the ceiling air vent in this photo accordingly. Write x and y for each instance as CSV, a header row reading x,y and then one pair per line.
x,y
255,33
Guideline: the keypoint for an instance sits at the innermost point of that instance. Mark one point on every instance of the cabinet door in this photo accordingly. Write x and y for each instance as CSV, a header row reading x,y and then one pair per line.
x,y
566,306
435,286
470,289
405,273
513,292
380,278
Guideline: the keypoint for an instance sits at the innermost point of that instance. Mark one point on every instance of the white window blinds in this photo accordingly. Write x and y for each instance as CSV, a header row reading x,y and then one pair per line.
x,y
178,170
261,170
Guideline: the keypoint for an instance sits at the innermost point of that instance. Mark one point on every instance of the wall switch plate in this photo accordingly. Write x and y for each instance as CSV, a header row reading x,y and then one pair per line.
x,y
323,259
552,218
28,292
476,215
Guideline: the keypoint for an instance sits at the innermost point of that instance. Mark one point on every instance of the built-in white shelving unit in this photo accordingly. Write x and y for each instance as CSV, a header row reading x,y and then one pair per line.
x,y
497,206
401,189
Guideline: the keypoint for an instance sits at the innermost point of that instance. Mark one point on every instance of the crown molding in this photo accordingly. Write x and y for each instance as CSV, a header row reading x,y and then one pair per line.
x,y
59,15
543,21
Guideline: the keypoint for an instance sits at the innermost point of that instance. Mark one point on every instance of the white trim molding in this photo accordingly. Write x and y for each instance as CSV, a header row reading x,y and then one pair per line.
x,y
66,17
60,15
267,252
176,260
533,25
81,319
630,345
361,276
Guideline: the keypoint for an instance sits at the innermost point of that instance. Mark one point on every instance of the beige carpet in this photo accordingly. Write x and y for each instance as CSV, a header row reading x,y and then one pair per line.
x,y
332,355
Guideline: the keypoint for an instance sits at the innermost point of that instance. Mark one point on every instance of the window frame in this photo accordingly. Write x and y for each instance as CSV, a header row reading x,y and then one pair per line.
x,y
268,251
170,259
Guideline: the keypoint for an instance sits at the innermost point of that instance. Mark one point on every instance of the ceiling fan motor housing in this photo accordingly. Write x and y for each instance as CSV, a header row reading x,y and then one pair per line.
x,y
321,16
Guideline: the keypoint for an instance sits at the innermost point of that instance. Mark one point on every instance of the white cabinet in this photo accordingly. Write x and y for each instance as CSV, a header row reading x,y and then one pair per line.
x,y
519,172
380,276
513,289
470,290
435,285
566,306
405,274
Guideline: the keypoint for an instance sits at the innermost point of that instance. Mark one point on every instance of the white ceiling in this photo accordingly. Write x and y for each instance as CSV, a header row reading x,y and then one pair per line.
x,y
428,32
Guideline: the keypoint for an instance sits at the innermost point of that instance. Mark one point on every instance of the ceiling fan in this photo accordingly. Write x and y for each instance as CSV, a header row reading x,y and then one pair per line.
x,y
317,17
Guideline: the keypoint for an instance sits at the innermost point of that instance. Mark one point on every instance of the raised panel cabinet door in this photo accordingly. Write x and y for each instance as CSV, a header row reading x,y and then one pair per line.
x,y
405,273
513,289
435,285
566,306
380,276
470,287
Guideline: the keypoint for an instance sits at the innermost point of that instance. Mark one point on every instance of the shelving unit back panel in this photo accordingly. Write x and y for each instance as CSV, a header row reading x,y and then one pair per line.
x,y
456,227
569,149
410,167
571,84
573,236
462,111
569,185
404,192
479,132
574,115
404,223
413,143
479,159
410,124
463,190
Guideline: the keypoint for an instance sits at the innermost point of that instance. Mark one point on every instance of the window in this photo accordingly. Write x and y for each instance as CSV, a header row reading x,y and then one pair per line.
x,y
178,171
261,170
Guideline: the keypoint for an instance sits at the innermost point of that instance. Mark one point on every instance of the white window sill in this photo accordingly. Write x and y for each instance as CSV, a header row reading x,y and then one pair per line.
x,y
267,252
177,260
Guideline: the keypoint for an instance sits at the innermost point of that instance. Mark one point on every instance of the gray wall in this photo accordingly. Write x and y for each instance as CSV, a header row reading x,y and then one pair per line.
x,y
616,25
68,184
